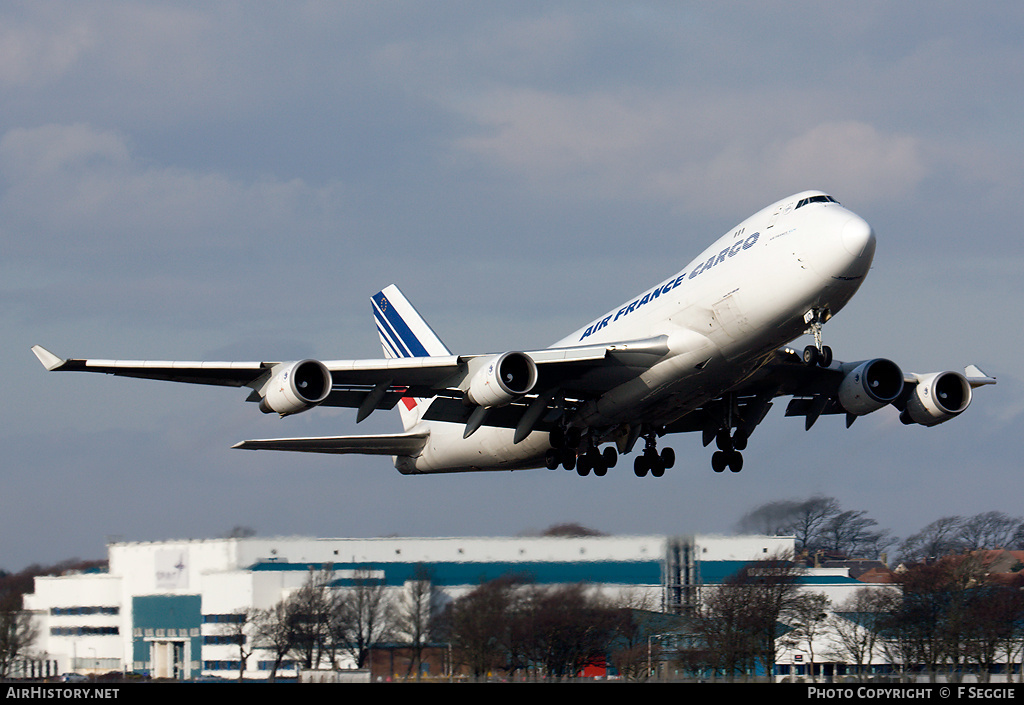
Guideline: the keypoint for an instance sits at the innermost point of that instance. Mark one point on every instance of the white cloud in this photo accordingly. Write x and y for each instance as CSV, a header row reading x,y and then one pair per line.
x,y
76,179
663,147
30,55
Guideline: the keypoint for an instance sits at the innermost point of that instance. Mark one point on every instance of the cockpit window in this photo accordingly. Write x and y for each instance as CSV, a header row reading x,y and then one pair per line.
x,y
816,199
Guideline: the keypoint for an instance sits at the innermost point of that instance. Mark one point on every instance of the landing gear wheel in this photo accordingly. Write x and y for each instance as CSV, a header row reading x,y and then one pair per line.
x,y
668,457
611,457
573,436
653,461
826,356
640,467
568,459
556,437
719,461
811,356
552,459
735,461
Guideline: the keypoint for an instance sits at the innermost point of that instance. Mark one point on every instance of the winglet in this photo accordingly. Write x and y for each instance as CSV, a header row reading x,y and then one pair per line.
x,y
50,361
976,378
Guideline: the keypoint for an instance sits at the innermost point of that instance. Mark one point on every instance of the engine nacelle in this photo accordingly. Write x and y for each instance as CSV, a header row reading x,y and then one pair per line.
x,y
503,379
939,397
870,386
295,387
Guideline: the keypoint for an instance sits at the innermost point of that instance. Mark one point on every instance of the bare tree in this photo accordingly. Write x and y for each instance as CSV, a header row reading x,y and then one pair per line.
x,y
635,628
988,530
414,614
17,634
808,616
771,518
856,625
810,519
478,625
739,619
311,608
571,529
994,618
237,630
361,616
273,630
568,627
940,538
850,532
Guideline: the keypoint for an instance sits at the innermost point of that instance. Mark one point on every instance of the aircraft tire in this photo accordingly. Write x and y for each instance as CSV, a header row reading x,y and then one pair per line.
x,y
668,457
640,466
735,461
556,437
718,461
573,436
610,456
826,356
811,355
568,459
551,459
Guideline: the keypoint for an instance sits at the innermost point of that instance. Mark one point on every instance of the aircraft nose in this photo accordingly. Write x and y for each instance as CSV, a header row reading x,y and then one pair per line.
x,y
858,237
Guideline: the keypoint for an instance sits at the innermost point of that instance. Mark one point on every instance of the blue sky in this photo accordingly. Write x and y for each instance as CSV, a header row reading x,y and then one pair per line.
x,y
234,180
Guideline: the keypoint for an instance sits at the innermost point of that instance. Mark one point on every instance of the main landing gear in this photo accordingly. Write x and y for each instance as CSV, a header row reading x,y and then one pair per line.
x,y
728,454
571,450
650,461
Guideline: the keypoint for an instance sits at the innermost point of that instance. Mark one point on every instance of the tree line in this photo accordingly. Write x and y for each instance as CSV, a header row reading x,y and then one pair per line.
x,y
948,616
509,625
820,524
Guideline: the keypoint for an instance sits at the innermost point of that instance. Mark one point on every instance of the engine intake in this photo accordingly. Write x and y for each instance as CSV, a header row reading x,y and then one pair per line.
x,y
295,387
503,379
870,386
939,397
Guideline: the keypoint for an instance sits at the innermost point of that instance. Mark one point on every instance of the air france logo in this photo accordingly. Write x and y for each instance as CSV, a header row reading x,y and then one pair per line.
x,y
712,261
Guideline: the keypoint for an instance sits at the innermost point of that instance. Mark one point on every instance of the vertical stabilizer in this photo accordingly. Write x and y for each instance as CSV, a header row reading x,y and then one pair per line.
x,y
404,333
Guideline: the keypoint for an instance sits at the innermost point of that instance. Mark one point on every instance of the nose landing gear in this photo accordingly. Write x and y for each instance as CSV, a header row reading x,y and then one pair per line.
x,y
817,354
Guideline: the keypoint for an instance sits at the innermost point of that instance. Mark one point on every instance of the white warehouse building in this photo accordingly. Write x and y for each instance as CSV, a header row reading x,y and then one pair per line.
x,y
160,606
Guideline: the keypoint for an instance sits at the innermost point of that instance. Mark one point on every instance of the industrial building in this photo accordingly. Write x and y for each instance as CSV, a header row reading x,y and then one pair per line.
x,y
160,607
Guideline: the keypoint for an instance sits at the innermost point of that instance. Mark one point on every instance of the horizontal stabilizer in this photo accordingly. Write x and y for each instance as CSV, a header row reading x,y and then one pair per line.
x,y
380,444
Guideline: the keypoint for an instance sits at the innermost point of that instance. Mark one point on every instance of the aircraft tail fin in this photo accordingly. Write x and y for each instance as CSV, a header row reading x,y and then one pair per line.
x,y
404,333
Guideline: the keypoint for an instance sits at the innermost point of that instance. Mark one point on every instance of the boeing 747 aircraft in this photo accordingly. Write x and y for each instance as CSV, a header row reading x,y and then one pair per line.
x,y
700,351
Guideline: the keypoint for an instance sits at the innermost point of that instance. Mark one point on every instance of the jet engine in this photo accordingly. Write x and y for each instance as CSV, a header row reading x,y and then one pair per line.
x,y
295,387
939,397
870,385
502,379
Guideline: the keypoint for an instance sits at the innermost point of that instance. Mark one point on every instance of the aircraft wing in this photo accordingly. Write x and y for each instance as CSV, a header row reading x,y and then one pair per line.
x,y
382,444
290,387
850,388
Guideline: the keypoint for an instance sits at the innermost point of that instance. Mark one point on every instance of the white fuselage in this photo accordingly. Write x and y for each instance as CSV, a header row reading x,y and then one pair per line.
x,y
743,297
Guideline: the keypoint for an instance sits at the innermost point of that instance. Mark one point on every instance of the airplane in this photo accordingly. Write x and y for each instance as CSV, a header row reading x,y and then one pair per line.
x,y
701,351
